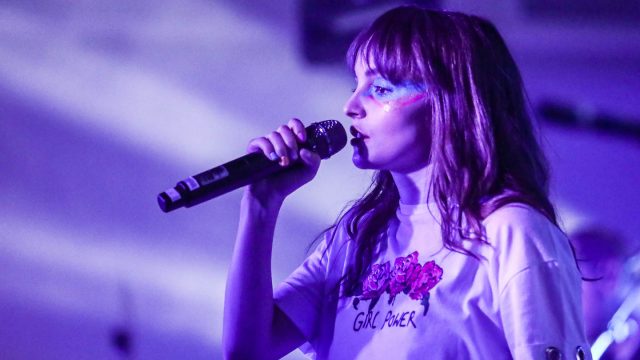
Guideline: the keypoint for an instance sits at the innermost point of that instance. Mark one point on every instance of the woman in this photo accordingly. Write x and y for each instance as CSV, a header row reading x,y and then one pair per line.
x,y
454,252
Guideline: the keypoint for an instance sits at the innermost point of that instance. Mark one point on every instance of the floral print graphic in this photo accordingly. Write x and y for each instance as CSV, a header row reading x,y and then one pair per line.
x,y
376,282
406,276
429,276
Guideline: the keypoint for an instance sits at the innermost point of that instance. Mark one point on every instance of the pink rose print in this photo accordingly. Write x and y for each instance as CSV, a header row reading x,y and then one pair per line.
x,y
429,276
376,282
407,275
405,271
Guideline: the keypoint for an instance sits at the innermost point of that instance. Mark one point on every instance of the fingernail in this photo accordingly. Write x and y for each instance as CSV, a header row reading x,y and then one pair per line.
x,y
284,161
273,156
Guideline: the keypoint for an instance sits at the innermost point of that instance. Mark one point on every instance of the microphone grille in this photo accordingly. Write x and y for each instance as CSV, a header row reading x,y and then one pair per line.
x,y
326,137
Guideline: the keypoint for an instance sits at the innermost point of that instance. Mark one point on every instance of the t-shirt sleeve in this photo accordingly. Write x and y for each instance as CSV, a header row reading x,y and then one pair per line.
x,y
538,283
300,296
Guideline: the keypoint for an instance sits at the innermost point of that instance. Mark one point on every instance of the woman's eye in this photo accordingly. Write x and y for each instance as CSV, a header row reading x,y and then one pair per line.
x,y
380,90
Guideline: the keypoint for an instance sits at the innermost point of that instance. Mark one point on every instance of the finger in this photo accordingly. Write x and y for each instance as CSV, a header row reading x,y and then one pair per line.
x,y
264,145
290,141
298,128
280,147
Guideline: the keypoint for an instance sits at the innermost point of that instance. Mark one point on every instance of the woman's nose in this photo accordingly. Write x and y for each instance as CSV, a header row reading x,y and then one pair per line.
x,y
353,108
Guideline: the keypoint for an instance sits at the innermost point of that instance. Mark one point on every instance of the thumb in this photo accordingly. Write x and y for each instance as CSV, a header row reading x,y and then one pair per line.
x,y
310,158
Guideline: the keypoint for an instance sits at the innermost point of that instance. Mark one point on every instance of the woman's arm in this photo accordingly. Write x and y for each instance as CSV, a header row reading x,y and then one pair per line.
x,y
538,284
253,326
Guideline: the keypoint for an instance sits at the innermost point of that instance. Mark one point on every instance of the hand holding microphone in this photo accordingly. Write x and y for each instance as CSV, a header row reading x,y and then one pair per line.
x,y
271,154
282,146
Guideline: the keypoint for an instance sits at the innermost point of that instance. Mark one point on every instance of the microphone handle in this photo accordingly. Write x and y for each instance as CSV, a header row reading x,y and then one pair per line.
x,y
217,181
325,138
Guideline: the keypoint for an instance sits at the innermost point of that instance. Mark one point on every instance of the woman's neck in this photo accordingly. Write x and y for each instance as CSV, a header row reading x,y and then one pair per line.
x,y
414,187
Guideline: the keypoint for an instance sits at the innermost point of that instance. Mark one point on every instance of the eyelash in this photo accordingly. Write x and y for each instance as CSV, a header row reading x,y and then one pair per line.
x,y
380,90
377,90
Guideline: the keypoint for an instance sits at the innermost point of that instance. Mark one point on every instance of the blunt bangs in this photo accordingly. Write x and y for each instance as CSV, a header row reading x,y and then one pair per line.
x,y
392,47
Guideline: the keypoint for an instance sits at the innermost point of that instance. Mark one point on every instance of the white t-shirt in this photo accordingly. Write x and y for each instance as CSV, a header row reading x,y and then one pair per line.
x,y
521,298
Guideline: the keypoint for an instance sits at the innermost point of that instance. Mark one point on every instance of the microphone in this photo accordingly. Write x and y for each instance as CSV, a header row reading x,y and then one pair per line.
x,y
325,138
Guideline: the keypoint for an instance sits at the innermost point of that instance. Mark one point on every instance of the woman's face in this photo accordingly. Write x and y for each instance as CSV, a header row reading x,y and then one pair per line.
x,y
390,124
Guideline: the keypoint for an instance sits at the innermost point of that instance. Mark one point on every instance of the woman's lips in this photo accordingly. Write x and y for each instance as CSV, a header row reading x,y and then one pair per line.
x,y
358,137
356,141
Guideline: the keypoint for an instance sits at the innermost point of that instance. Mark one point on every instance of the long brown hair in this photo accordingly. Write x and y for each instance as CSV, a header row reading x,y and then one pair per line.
x,y
483,147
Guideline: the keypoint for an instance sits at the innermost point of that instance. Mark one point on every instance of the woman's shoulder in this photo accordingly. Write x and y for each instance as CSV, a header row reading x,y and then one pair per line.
x,y
516,214
336,237
520,228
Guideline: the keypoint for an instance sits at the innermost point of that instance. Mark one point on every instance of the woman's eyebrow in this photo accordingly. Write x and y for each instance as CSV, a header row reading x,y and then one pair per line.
x,y
368,74
371,72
